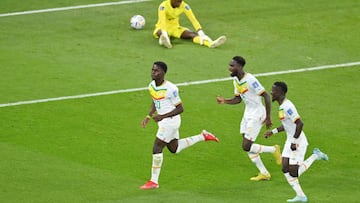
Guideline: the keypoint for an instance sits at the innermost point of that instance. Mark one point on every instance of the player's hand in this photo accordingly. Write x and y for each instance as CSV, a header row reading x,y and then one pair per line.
x,y
268,134
145,121
268,123
157,117
203,37
220,100
293,146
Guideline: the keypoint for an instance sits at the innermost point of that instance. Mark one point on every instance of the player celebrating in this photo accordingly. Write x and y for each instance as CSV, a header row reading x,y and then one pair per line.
x,y
296,142
168,25
248,89
168,107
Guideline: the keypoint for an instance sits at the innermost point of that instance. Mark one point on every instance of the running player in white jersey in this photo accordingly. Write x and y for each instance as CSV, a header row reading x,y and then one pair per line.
x,y
248,89
165,110
296,143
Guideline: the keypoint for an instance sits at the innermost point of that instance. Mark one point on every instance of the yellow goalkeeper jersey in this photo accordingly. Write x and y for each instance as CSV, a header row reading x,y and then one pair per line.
x,y
169,16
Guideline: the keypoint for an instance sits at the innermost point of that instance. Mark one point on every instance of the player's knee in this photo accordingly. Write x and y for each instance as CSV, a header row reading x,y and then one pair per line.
x,y
158,33
285,169
294,173
172,150
246,145
246,148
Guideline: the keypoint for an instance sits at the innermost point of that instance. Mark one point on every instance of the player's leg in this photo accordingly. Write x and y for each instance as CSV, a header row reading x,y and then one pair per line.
x,y
293,180
251,129
176,146
292,174
218,42
316,155
256,159
275,150
254,126
163,137
157,159
163,36
207,42
185,33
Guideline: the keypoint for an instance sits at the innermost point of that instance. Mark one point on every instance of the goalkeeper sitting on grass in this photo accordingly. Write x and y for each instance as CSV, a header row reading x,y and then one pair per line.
x,y
168,25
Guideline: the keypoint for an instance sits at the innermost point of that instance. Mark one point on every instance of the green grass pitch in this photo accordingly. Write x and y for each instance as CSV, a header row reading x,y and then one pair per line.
x,y
94,149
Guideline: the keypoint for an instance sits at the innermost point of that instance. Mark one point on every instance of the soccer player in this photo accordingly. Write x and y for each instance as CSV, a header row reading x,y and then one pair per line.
x,y
168,25
248,89
165,110
296,143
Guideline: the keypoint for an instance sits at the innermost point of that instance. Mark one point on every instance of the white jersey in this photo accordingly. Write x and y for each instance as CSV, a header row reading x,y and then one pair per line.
x,y
288,116
165,97
250,89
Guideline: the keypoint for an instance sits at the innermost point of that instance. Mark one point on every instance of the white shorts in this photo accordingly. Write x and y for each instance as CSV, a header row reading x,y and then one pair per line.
x,y
251,127
295,157
169,129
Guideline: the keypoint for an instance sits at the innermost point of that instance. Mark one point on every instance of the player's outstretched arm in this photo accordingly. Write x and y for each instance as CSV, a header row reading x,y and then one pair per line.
x,y
235,100
147,118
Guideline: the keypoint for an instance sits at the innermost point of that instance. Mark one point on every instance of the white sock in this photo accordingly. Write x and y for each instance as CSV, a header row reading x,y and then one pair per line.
x,y
256,148
156,167
294,183
307,163
189,141
255,158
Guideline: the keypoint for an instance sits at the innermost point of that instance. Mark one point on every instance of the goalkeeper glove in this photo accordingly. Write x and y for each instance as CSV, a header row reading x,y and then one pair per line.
x,y
203,37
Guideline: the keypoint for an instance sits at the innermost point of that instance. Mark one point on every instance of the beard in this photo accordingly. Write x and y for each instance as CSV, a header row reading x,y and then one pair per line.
x,y
233,74
153,77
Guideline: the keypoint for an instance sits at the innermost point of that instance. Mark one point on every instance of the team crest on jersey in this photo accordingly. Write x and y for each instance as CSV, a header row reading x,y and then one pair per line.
x,y
281,114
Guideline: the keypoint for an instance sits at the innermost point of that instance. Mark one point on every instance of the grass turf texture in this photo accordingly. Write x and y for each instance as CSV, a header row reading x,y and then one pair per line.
x,y
94,150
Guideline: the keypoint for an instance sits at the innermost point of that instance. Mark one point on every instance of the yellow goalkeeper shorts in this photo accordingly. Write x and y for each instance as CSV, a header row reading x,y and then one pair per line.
x,y
172,31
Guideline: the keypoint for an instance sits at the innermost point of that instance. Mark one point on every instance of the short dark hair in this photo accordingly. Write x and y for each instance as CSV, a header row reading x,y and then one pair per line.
x,y
282,86
162,65
239,60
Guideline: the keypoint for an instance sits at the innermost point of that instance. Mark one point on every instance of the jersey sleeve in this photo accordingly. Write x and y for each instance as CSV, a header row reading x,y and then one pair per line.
x,y
162,16
291,111
174,95
190,15
256,85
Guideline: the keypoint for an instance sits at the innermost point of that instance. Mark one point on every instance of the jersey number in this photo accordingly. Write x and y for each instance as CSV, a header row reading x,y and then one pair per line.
x,y
157,104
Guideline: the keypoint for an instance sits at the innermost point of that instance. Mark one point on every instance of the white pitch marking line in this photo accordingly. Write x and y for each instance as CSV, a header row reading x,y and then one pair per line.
x,y
179,84
71,8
